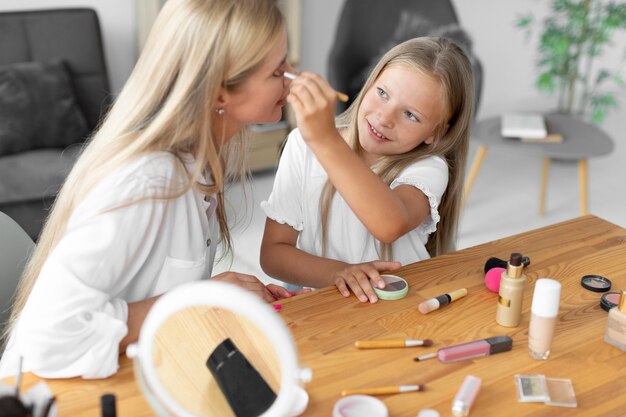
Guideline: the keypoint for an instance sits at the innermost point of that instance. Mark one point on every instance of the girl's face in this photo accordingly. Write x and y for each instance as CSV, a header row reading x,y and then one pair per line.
x,y
399,112
260,98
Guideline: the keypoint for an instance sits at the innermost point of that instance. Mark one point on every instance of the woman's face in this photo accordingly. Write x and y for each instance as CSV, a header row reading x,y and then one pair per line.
x,y
399,112
260,98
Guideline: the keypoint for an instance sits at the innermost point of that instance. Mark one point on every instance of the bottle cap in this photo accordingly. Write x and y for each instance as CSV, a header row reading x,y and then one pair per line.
x,y
546,297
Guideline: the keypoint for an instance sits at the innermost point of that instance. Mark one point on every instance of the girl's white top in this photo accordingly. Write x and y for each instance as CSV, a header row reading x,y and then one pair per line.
x,y
109,256
295,201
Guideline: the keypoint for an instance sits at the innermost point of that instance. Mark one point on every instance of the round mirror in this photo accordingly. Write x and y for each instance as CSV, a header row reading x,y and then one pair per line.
x,y
214,349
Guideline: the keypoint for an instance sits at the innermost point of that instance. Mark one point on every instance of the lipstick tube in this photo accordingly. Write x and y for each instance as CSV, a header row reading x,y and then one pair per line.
x,y
476,349
465,397
440,301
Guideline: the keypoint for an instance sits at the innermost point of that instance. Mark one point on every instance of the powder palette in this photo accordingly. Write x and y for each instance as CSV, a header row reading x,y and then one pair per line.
x,y
550,391
595,283
395,288
609,300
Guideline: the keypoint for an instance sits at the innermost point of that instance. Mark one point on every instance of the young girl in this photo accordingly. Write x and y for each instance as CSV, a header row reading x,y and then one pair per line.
x,y
386,185
143,210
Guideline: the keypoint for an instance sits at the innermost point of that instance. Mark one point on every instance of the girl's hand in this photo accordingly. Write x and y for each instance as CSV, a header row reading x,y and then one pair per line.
x,y
359,279
314,102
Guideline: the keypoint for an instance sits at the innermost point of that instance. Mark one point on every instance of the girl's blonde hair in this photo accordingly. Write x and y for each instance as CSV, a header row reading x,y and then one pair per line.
x,y
194,48
447,63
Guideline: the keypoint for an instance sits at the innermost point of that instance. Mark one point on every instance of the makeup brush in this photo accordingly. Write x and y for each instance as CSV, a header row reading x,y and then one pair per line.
x,y
383,390
340,96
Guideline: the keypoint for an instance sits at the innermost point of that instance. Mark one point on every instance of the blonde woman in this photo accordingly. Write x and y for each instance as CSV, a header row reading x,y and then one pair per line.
x,y
142,210
386,185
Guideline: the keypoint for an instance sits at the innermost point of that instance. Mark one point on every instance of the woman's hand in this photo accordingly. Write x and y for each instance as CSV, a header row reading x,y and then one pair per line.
x,y
248,282
314,102
269,293
281,292
359,279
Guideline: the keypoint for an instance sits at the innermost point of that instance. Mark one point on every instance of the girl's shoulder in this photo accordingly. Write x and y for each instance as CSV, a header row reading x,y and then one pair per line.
x,y
434,161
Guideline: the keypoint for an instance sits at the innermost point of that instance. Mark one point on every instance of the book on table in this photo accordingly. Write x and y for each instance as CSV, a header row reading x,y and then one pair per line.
x,y
528,127
523,125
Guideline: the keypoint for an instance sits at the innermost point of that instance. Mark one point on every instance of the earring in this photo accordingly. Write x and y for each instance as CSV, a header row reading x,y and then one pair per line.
x,y
220,111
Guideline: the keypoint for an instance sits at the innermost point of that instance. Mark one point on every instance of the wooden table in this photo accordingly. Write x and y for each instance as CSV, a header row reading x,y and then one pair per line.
x,y
325,326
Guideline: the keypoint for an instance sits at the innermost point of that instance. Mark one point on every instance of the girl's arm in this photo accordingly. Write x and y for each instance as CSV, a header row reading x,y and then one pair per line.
x,y
281,259
387,214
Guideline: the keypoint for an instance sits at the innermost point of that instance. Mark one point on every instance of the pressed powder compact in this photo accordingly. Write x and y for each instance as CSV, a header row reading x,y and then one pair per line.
x,y
609,300
550,391
395,288
595,283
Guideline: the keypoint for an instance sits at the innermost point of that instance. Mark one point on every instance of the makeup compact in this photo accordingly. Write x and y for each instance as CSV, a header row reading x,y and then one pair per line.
x,y
595,283
550,391
609,300
395,288
360,405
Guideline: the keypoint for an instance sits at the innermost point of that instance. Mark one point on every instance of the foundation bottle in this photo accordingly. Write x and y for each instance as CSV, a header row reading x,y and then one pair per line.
x,y
509,310
616,326
543,314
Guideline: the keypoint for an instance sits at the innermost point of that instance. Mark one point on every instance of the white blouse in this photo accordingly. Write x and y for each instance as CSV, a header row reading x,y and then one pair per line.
x,y
112,254
295,201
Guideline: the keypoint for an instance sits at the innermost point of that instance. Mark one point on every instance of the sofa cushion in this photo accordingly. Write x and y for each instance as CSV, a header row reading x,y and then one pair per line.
x,y
35,175
38,108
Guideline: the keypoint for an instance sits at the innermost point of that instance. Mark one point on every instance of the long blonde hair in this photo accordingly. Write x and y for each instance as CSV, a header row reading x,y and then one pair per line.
x,y
195,47
447,63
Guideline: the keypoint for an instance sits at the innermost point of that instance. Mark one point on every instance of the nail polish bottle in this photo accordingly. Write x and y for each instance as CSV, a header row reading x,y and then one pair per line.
x,y
543,314
511,292
616,326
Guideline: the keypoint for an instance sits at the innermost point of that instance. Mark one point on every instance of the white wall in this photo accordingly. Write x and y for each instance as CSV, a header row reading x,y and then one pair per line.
x,y
117,21
508,58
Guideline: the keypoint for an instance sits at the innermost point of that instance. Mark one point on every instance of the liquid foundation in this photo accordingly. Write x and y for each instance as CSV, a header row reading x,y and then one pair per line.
x,y
509,309
544,312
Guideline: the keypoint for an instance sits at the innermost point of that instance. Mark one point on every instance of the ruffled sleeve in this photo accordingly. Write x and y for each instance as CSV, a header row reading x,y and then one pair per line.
x,y
284,205
430,175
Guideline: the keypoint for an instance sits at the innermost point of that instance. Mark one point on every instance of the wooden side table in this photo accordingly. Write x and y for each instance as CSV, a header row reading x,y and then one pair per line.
x,y
581,141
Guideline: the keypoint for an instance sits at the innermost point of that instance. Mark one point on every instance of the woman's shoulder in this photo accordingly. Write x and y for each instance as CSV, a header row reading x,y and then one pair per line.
x,y
156,163
149,171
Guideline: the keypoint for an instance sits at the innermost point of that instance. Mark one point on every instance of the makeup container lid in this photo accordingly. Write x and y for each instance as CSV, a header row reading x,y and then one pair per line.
x,y
428,412
609,300
360,405
220,354
546,297
499,344
595,283
395,288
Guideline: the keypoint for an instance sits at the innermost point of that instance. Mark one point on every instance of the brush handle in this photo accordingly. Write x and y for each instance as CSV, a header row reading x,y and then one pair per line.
x,y
396,389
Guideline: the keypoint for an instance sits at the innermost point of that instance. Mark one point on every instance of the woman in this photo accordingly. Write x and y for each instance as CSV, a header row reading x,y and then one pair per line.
x,y
142,210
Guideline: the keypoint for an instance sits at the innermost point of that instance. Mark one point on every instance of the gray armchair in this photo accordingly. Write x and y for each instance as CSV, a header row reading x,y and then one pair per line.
x,y
367,28
54,89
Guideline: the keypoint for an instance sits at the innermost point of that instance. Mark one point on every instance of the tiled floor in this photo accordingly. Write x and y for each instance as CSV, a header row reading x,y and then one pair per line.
x,y
503,202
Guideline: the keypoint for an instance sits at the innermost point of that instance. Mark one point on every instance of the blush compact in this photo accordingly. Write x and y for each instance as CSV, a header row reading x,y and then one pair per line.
x,y
395,288
595,283
609,300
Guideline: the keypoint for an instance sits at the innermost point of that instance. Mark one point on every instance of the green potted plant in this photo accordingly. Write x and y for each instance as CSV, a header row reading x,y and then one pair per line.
x,y
572,37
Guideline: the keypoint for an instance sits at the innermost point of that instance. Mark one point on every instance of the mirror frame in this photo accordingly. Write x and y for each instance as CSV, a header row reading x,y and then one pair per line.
x,y
229,297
